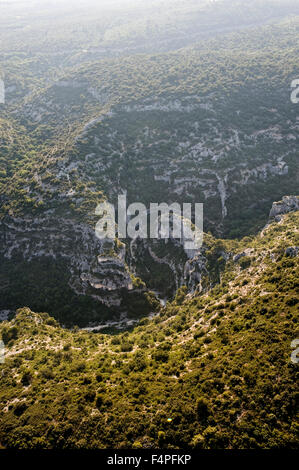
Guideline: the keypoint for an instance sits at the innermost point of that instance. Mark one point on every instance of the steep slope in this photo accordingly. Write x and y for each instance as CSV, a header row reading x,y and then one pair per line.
x,y
210,123
212,370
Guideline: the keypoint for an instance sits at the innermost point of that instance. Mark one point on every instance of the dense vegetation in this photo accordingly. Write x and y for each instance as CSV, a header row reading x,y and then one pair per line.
x,y
211,122
210,371
241,79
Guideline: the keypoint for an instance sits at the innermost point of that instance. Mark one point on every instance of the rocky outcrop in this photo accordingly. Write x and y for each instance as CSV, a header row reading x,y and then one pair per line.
x,y
195,157
91,271
287,204
292,251
244,253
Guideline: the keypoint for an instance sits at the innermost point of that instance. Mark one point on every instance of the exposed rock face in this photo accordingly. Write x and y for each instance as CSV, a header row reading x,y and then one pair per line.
x,y
91,271
194,270
292,251
186,155
101,271
238,256
183,266
287,204
4,314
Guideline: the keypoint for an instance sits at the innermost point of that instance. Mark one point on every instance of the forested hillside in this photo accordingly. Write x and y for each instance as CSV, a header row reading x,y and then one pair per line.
x,y
210,371
211,123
